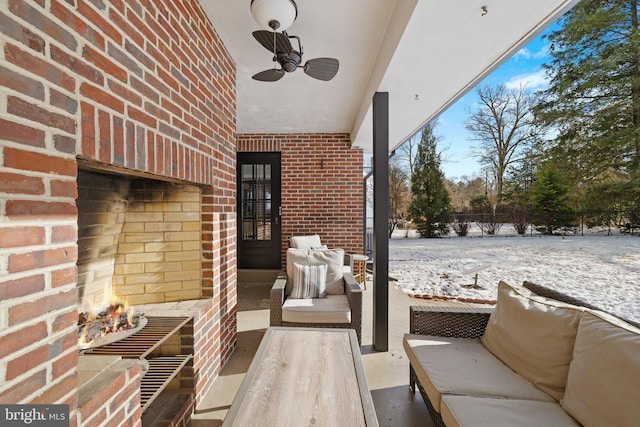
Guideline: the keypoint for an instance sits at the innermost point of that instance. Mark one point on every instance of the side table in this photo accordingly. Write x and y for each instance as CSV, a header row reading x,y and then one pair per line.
x,y
360,268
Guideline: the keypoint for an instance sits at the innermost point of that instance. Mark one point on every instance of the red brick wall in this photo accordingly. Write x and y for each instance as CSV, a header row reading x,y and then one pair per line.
x,y
115,404
322,189
144,86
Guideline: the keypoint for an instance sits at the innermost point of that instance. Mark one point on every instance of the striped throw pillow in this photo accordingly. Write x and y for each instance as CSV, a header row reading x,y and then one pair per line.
x,y
309,281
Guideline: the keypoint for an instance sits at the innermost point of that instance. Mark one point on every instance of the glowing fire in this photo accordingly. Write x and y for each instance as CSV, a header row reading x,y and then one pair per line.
x,y
98,322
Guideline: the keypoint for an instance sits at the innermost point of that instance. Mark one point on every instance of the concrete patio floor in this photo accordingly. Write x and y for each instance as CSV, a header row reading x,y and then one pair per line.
x,y
387,372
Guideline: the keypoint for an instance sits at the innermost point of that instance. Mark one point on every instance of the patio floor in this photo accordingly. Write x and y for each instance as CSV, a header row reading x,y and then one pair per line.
x,y
387,372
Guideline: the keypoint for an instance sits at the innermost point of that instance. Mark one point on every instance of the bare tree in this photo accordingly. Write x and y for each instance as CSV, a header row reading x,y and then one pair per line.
x,y
408,151
462,190
503,125
399,193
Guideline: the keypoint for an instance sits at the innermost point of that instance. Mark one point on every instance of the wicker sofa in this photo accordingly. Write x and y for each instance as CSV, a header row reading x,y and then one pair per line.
x,y
341,308
540,358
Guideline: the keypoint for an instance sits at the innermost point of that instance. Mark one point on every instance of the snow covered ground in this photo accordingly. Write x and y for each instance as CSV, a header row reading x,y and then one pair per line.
x,y
603,270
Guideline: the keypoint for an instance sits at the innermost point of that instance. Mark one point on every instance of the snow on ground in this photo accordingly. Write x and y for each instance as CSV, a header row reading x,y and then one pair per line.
x,y
603,270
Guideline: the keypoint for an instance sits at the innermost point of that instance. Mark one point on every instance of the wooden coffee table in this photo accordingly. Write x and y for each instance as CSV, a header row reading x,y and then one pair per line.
x,y
304,376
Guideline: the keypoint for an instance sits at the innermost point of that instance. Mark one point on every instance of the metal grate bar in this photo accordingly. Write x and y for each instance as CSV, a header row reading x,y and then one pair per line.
x,y
161,371
142,343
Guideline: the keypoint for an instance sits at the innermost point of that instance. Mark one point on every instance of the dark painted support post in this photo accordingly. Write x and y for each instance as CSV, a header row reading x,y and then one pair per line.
x,y
364,217
381,221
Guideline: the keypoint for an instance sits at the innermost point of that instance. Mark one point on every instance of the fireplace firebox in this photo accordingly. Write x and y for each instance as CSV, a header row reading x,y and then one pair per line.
x,y
140,244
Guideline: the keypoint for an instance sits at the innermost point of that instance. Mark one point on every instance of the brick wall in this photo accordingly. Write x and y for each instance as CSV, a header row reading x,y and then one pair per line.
x,y
159,250
113,400
135,85
322,190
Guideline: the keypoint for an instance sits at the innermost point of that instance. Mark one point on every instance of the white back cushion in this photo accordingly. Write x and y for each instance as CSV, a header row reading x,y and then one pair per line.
x,y
333,258
305,242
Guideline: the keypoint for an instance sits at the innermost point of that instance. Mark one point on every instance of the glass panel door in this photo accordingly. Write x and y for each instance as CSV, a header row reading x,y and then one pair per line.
x,y
256,202
259,231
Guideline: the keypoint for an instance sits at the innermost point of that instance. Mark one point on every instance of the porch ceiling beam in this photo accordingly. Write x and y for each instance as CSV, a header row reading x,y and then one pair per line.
x,y
392,36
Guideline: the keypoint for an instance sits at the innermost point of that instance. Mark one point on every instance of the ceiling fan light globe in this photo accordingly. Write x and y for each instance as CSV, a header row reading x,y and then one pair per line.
x,y
274,13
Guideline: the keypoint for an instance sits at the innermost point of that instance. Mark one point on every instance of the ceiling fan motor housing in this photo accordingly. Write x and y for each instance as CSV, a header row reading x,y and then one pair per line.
x,y
291,61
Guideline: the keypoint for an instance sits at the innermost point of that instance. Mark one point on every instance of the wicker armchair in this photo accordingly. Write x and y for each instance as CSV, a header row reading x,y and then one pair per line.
x,y
352,290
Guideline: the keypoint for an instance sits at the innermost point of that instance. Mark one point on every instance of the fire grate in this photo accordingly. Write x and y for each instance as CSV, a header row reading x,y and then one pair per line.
x,y
160,373
161,369
142,343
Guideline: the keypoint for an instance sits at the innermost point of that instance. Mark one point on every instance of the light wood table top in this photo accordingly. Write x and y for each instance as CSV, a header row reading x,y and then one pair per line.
x,y
305,376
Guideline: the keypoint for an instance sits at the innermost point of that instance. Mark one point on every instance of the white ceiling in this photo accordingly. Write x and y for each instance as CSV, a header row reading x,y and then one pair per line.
x,y
435,49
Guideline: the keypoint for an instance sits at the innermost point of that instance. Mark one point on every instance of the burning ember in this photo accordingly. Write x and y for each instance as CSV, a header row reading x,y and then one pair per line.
x,y
115,318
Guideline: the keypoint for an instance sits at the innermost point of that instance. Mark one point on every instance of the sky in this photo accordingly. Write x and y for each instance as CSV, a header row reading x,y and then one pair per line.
x,y
524,68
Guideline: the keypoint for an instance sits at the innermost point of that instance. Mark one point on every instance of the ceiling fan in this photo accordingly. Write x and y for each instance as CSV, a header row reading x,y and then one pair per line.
x,y
290,59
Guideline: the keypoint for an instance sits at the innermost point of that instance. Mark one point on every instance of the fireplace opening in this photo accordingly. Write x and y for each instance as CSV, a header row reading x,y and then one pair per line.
x,y
140,251
139,240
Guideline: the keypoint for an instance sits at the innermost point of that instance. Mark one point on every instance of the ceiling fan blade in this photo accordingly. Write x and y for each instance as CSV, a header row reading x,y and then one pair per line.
x,y
265,38
322,68
269,75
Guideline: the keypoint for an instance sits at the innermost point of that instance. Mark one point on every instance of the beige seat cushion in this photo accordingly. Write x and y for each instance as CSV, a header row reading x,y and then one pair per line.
x,y
464,366
334,258
332,309
462,411
305,242
603,388
534,336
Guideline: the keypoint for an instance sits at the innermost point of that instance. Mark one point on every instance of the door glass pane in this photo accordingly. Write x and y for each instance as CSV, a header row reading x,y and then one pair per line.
x,y
256,202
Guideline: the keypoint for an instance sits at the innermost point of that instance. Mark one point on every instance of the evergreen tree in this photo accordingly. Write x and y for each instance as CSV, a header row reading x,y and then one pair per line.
x,y
431,207
516,199
550,199
605,204
594,95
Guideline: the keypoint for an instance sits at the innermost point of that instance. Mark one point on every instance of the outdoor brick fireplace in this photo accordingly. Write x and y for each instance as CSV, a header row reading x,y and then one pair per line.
x,y
140,243
139,240
117,177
